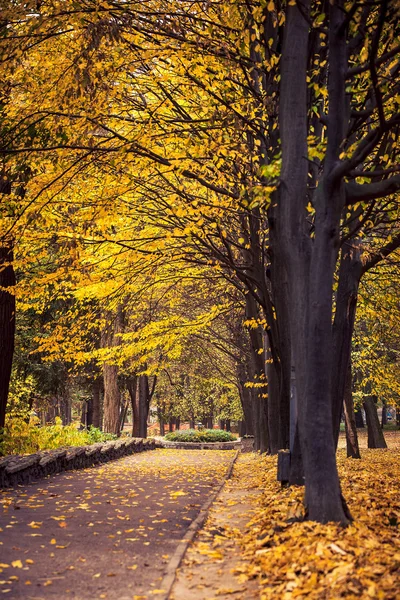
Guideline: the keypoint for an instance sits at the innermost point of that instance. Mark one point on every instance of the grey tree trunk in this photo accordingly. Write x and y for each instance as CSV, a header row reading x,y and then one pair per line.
x,y
376,438
310,260
350,272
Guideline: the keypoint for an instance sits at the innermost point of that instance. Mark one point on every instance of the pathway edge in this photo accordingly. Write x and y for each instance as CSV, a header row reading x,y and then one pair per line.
x,y
169,577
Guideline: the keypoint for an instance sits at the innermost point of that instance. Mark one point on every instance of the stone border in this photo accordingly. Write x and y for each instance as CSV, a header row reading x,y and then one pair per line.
x,y
170,574
20,470
161,443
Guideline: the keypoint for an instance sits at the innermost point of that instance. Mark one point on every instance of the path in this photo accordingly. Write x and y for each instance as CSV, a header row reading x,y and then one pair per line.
x,y
215,566
105,532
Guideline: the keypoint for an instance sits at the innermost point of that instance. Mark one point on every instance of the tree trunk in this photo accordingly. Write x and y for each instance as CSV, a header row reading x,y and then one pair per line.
x,y
112,395
171,425
350,271
246,401
112,399
353,450
7,323
384,413
274,406
227,424
177,424
131,384
376,438
124,411
144,404
161,421
359,418
258,377
96,389
310,260
192,423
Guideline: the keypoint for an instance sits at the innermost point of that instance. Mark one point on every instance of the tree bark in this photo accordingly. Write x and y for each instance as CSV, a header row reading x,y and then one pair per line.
x,y
350,272
131,384
310,260
112,399
258,379
376,438
353,449
96,390
274,406
112,395
7,323
144,404
359,418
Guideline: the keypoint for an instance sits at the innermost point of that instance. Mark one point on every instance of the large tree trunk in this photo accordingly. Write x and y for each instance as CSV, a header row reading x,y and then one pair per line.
x,y
310,261
7,323
353,450
376,438
112,395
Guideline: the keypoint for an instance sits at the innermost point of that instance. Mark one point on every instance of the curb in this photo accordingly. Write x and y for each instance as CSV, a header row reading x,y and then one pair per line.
x,y
174,563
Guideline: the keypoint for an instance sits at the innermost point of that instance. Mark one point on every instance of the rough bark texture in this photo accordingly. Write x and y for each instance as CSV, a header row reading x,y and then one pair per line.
x,y
376,438
7,324
310,262
353,450
112,399
112,395
350,272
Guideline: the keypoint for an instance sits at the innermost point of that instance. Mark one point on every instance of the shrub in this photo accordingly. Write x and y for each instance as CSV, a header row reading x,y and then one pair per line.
x,y
21,436
205,435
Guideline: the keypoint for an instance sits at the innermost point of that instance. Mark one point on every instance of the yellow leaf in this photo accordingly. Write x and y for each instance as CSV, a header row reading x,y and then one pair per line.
x,y
17,564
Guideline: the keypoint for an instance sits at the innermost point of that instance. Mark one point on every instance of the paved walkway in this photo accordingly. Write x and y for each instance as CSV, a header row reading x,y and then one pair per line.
x,y
105,532
215,566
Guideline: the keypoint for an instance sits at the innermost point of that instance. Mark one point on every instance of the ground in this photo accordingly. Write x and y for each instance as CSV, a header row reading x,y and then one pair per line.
x,y
110,532
105,532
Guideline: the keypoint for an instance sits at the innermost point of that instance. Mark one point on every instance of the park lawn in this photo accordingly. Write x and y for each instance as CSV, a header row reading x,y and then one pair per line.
x,y
295,559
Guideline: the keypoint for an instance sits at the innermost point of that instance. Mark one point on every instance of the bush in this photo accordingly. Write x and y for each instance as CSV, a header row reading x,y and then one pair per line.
x,y
205,435
21,436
